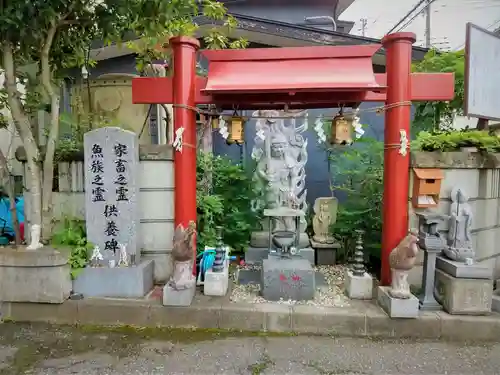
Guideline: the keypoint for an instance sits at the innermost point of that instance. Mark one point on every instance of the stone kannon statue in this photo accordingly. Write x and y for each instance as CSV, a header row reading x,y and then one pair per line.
x,y
183,257
325,215
402,259
459,242
280,151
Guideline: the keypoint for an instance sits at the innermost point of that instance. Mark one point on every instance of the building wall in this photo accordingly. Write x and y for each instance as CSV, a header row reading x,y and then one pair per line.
x,y
156,202
479,176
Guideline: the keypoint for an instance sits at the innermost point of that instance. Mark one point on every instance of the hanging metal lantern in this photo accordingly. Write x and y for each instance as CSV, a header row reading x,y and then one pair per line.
x,y
215,122
236,130
341,130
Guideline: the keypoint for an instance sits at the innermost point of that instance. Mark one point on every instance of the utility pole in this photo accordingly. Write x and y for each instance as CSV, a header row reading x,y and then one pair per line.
x,y
428,24
364,23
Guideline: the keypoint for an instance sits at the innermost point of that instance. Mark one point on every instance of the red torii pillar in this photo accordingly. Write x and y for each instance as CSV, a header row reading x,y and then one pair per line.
x,y
184,78
398,49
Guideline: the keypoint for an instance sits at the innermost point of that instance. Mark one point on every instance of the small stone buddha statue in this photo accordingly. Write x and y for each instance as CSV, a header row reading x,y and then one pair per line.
x,y
325,210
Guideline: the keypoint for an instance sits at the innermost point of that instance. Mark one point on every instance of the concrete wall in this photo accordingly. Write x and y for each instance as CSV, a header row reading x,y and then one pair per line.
x,y
479,176
156,202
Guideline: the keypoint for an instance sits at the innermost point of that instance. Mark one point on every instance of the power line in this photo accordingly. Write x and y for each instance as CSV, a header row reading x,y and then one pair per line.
x,y
406,16
416,15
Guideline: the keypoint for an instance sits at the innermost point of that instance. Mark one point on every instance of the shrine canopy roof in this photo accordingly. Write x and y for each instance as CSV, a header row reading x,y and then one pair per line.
x,y
291,70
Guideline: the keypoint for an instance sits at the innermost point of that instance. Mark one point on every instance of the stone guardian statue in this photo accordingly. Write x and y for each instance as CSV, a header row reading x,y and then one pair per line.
x,y
183,257
402,259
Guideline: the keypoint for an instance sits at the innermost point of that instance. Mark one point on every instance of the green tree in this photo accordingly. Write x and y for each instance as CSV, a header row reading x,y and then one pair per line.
x,y
434,115
51,36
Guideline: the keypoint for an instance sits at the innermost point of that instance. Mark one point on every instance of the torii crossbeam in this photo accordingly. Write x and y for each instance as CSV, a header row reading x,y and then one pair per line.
x,y
301,77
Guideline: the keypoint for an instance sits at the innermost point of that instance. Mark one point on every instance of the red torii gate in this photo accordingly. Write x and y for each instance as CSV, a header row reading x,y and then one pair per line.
x,y
300,77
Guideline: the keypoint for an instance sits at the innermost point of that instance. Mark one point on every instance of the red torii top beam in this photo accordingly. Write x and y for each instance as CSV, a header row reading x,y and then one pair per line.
x,y
303,77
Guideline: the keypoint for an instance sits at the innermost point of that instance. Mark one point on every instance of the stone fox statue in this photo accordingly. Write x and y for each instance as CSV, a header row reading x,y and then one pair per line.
x,y
182,257
402,259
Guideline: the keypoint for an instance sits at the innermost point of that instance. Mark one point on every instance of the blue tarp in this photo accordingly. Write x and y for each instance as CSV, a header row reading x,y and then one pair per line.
x,y
6,226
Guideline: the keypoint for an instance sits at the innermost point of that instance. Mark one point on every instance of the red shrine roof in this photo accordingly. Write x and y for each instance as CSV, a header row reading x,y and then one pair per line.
x,y
292,70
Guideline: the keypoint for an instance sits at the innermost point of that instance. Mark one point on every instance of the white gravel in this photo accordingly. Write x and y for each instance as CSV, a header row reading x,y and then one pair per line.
x,y
330,295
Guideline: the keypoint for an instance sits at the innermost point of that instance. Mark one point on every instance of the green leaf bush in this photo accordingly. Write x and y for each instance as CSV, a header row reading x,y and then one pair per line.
x,y
225,192
446,141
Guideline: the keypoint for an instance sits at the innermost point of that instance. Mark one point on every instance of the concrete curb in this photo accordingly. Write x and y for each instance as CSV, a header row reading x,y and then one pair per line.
x,y
364,320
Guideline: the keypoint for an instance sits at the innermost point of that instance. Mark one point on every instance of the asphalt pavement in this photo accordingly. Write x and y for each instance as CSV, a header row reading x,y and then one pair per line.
x,y
54,350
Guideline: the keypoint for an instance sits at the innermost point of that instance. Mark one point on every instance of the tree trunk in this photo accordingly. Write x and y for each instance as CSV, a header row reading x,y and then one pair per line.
x,y
23,127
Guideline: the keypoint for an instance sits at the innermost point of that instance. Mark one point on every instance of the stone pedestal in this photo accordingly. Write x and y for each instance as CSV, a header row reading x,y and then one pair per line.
x,y
395,307
256,255
172,297
426,299
326,253
216,283
463,296
40,276
288,279
461,270
119,282
358,287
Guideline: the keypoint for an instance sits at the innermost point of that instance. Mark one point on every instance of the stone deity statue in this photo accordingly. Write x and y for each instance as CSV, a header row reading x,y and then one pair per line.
x,y
459,243
183,257
402,259
123,260
325,214
96,257
281,155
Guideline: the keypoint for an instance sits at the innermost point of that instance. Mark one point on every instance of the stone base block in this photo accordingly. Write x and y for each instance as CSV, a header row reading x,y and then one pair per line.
x,y
41,276
118,282
395,307
461,270
288,279
172,297
216,283
326,253
495,303
358,287
255,255
463,296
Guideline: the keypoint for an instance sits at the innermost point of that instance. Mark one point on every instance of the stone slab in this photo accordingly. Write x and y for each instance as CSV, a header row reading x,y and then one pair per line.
x,y
463,296
41,276
288,279
358,287
255,255
395,307
216,283
252,276
325,253
172,297
112,191
119,282
461,270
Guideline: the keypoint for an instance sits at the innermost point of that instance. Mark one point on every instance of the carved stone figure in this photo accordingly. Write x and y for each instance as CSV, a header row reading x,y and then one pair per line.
x,y
402,259
325,214
182,257
281,155
460,224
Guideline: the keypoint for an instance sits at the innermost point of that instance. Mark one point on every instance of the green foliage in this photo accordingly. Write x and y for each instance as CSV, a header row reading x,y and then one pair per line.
x,y
224,198
454,140
434,115
360,173
73,238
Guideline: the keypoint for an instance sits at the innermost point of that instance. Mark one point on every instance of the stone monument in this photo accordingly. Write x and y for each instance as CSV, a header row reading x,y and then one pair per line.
x,y
280,151
463,287
112,217
397,300
180,289
432,243
358,283
216,281
324,244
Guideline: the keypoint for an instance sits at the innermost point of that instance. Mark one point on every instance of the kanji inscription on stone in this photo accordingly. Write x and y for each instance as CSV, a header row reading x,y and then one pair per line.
x,y
111,190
